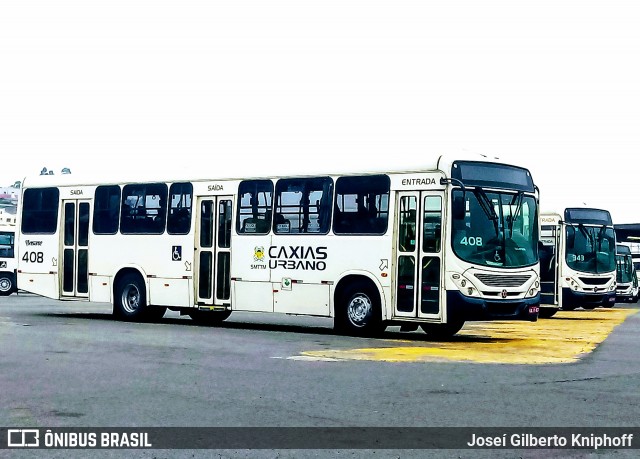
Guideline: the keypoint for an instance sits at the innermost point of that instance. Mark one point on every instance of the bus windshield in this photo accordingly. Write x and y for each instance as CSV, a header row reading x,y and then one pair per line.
x,y
498,228
624,269
591,249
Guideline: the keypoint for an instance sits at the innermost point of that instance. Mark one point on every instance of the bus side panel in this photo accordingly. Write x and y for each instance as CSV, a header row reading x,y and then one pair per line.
x,y
252,289
300,298
150,255
252,296
40,284
100,289
169,292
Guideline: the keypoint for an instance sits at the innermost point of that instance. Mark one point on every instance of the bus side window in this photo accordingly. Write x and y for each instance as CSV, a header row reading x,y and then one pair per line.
x,y
407,236
282,225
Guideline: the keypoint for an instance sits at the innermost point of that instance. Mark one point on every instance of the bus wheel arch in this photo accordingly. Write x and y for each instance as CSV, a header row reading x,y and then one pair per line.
x,y
130,297
358,306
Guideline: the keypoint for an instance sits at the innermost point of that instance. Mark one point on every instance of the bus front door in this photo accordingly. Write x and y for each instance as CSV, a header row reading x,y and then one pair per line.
x,y
549,265
74,270
213,251
418,270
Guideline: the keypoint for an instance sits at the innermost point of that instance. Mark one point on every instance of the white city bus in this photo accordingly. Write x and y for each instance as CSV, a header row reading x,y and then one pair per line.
x,y
8,262
627,288
434,248
577,260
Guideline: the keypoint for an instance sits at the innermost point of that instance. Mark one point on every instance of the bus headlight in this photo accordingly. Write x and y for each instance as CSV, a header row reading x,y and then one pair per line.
x,y
533,291
464,285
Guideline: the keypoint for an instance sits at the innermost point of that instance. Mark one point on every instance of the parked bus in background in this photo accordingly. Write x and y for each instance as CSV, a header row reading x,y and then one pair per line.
x,y
627,288
456,241
8,261
577,260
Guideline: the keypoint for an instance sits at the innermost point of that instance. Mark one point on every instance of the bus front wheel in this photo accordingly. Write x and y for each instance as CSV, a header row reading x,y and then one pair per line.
x,y
359,311
6,284
130,301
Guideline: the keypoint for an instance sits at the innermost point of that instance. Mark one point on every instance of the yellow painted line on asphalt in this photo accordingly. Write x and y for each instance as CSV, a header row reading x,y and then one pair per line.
x,y
566,337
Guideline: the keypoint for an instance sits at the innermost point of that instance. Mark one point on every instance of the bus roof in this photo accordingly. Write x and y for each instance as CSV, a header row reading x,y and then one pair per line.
x,y
305,167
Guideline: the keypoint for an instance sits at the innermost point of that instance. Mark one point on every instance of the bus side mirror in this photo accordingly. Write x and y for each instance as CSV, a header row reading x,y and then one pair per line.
x,y
457,208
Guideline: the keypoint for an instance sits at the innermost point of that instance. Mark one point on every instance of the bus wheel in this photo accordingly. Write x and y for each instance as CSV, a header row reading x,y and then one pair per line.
x,y
442,331
6,284
359,311
209,317
589,307
547,313
567,308
130,301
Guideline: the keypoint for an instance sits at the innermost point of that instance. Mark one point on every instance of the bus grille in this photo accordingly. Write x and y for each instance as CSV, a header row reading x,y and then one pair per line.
x,y
595,280
493,280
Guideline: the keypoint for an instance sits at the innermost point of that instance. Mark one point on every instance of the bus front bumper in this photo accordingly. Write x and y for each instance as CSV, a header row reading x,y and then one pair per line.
x,y
479,309
573,299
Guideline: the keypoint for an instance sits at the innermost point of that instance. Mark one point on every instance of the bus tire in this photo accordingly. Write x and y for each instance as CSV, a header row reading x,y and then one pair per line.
x,y
130,300
547,313
442,331
358,311
209,317
567,308
589,307
7,285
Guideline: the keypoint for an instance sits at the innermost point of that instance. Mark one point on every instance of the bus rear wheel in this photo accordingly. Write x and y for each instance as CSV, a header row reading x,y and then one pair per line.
x,y
6,284
359,312
130,301
442,331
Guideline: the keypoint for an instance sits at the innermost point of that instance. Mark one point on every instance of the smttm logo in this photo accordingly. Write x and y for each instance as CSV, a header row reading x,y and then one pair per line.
x,y
503,294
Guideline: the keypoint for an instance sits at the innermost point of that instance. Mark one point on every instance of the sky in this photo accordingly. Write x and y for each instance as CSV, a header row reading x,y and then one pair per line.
x,y
207,86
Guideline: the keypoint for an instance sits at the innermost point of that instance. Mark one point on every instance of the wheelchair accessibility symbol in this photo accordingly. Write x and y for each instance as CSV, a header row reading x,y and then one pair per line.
x,y
176,253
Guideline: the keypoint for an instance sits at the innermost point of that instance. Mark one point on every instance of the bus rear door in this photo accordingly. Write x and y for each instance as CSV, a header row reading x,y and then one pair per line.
x,y
74,270
213,251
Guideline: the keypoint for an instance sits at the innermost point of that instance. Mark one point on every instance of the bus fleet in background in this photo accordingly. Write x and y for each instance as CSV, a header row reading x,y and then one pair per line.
x,y
8,262
577,260
460,240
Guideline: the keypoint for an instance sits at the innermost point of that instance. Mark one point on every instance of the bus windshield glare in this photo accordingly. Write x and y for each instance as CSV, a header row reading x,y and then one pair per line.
x,y
498,228
591,249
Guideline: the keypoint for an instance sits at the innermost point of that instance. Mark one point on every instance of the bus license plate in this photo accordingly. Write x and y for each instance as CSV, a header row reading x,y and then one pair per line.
x,y
534,309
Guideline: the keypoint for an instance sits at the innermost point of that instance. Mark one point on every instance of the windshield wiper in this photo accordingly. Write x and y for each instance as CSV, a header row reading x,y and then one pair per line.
x,y
487,207
511,218
587,234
